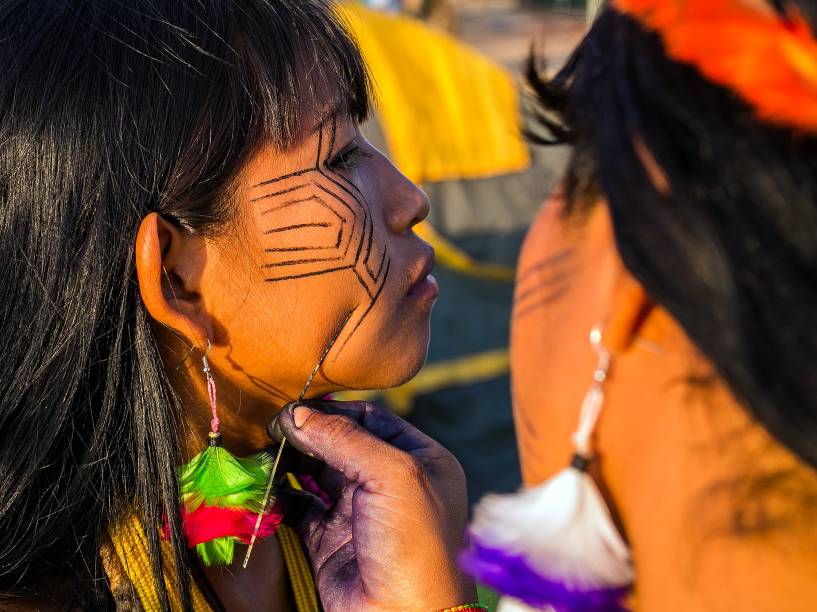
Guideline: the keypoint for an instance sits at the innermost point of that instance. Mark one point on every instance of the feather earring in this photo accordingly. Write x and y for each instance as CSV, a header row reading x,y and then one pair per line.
x,y
556,544
221,494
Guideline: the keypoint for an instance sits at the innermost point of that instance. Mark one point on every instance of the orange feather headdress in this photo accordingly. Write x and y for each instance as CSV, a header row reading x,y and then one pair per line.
x,y
768,58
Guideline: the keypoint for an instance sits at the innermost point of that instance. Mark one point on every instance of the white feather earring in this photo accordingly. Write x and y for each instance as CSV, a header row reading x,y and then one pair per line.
x,y
556,544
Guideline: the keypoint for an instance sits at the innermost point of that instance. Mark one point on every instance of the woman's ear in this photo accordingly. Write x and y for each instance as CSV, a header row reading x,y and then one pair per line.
x,y
169,265
630,307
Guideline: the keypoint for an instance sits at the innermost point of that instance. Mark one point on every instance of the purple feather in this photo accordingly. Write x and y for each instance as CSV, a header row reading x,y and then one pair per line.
x,y
511,575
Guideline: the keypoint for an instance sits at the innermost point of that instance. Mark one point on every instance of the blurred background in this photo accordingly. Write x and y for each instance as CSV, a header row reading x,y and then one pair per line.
x,y
451,108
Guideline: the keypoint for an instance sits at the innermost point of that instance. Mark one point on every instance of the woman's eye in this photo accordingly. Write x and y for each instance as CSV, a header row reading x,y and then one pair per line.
x,y
349,158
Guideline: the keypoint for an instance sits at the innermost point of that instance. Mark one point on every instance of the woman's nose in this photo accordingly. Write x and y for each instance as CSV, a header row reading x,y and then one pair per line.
x,y
406,204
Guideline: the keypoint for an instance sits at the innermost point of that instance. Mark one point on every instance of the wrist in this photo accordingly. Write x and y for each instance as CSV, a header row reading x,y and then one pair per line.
x,y
461,589
465,598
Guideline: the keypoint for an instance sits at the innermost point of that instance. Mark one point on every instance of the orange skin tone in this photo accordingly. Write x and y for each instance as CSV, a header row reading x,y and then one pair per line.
x,y
680,462
267,336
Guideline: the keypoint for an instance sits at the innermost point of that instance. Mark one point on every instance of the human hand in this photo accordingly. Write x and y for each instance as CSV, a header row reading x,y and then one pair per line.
x,y
390,539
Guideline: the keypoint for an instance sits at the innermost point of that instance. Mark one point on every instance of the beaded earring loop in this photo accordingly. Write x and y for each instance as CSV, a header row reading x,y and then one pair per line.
x,y
221,495
215,423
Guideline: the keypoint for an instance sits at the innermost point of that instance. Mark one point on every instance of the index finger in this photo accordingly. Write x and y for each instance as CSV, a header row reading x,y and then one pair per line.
x,y
346,446
381,423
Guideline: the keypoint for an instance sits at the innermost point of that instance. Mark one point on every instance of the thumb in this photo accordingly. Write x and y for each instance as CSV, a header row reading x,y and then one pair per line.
x,y
346,446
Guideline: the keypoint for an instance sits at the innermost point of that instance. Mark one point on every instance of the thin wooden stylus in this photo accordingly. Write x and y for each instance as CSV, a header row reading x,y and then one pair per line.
x,y
266,501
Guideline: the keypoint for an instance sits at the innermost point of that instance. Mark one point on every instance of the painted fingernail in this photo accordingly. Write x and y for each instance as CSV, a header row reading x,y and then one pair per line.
x,y
300,414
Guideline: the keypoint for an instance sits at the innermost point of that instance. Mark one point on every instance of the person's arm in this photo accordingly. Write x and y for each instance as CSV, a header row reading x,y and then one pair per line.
x,y
390,539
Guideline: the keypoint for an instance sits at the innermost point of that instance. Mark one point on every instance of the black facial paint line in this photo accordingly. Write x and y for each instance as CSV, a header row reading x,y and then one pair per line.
x,y
361,201
323,204
335,205
283,177
382,261
275,194
522,418
354,218
299,249
346,202
364,315
367,212
521,313
338,240
329,192
560,277
295,262
352,190
317,168
543,282
258,382
308,274
289,228
547,262
365,247
369,229
287,205
349,187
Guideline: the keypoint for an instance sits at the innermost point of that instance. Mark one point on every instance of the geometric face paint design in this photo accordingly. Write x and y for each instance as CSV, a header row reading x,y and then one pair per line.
x,y
543,282
329,226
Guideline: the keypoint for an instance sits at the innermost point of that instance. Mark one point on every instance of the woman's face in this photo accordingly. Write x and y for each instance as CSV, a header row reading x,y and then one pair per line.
x,y
322,247
705,496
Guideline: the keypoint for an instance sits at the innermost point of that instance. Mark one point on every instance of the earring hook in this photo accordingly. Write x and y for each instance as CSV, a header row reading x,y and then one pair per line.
x,y
600,374
593,400
204,361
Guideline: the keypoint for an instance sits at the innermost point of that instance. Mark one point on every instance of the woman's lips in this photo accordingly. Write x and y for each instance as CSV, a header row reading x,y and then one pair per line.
x,y
425,286
425,289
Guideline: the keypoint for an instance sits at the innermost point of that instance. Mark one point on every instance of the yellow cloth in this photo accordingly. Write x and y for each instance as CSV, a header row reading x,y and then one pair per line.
x,y
467,370
130,545
446,111
130,558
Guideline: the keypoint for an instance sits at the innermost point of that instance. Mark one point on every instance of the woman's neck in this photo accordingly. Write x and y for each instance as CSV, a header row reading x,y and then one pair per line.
x,y
261,586
244,406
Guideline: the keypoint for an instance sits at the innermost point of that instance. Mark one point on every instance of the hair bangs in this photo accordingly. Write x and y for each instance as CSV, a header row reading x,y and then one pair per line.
x,y
295,61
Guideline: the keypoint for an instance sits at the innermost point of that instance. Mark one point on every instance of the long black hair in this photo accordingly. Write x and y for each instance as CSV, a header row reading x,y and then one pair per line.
x,y
110,110
730,248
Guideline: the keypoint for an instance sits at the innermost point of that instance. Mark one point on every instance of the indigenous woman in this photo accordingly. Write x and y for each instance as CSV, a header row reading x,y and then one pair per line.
x,y
193,233
663,331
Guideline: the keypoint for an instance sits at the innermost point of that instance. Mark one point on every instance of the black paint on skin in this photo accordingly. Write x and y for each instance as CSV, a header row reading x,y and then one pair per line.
x,y
289,228
542,283
342,211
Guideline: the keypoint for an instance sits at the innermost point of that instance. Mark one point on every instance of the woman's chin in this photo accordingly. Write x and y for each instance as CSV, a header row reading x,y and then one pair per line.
x,y
403,374
380,370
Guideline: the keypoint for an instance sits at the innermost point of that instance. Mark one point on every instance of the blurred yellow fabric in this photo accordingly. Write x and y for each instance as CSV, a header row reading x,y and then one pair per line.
x,y
447,112
433,377
456,259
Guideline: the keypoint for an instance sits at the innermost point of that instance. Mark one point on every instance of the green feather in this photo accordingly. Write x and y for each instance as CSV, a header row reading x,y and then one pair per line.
x,y
217,478
217,552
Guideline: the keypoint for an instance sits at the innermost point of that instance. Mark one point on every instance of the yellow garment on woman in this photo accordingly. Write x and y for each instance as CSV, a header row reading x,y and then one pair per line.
x,y
129,547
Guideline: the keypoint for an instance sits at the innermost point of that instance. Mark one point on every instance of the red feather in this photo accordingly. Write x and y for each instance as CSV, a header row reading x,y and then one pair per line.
x,y
207,523
769,60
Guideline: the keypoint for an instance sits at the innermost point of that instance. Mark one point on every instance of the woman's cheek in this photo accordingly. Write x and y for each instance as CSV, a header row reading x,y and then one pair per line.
x,y
319,266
